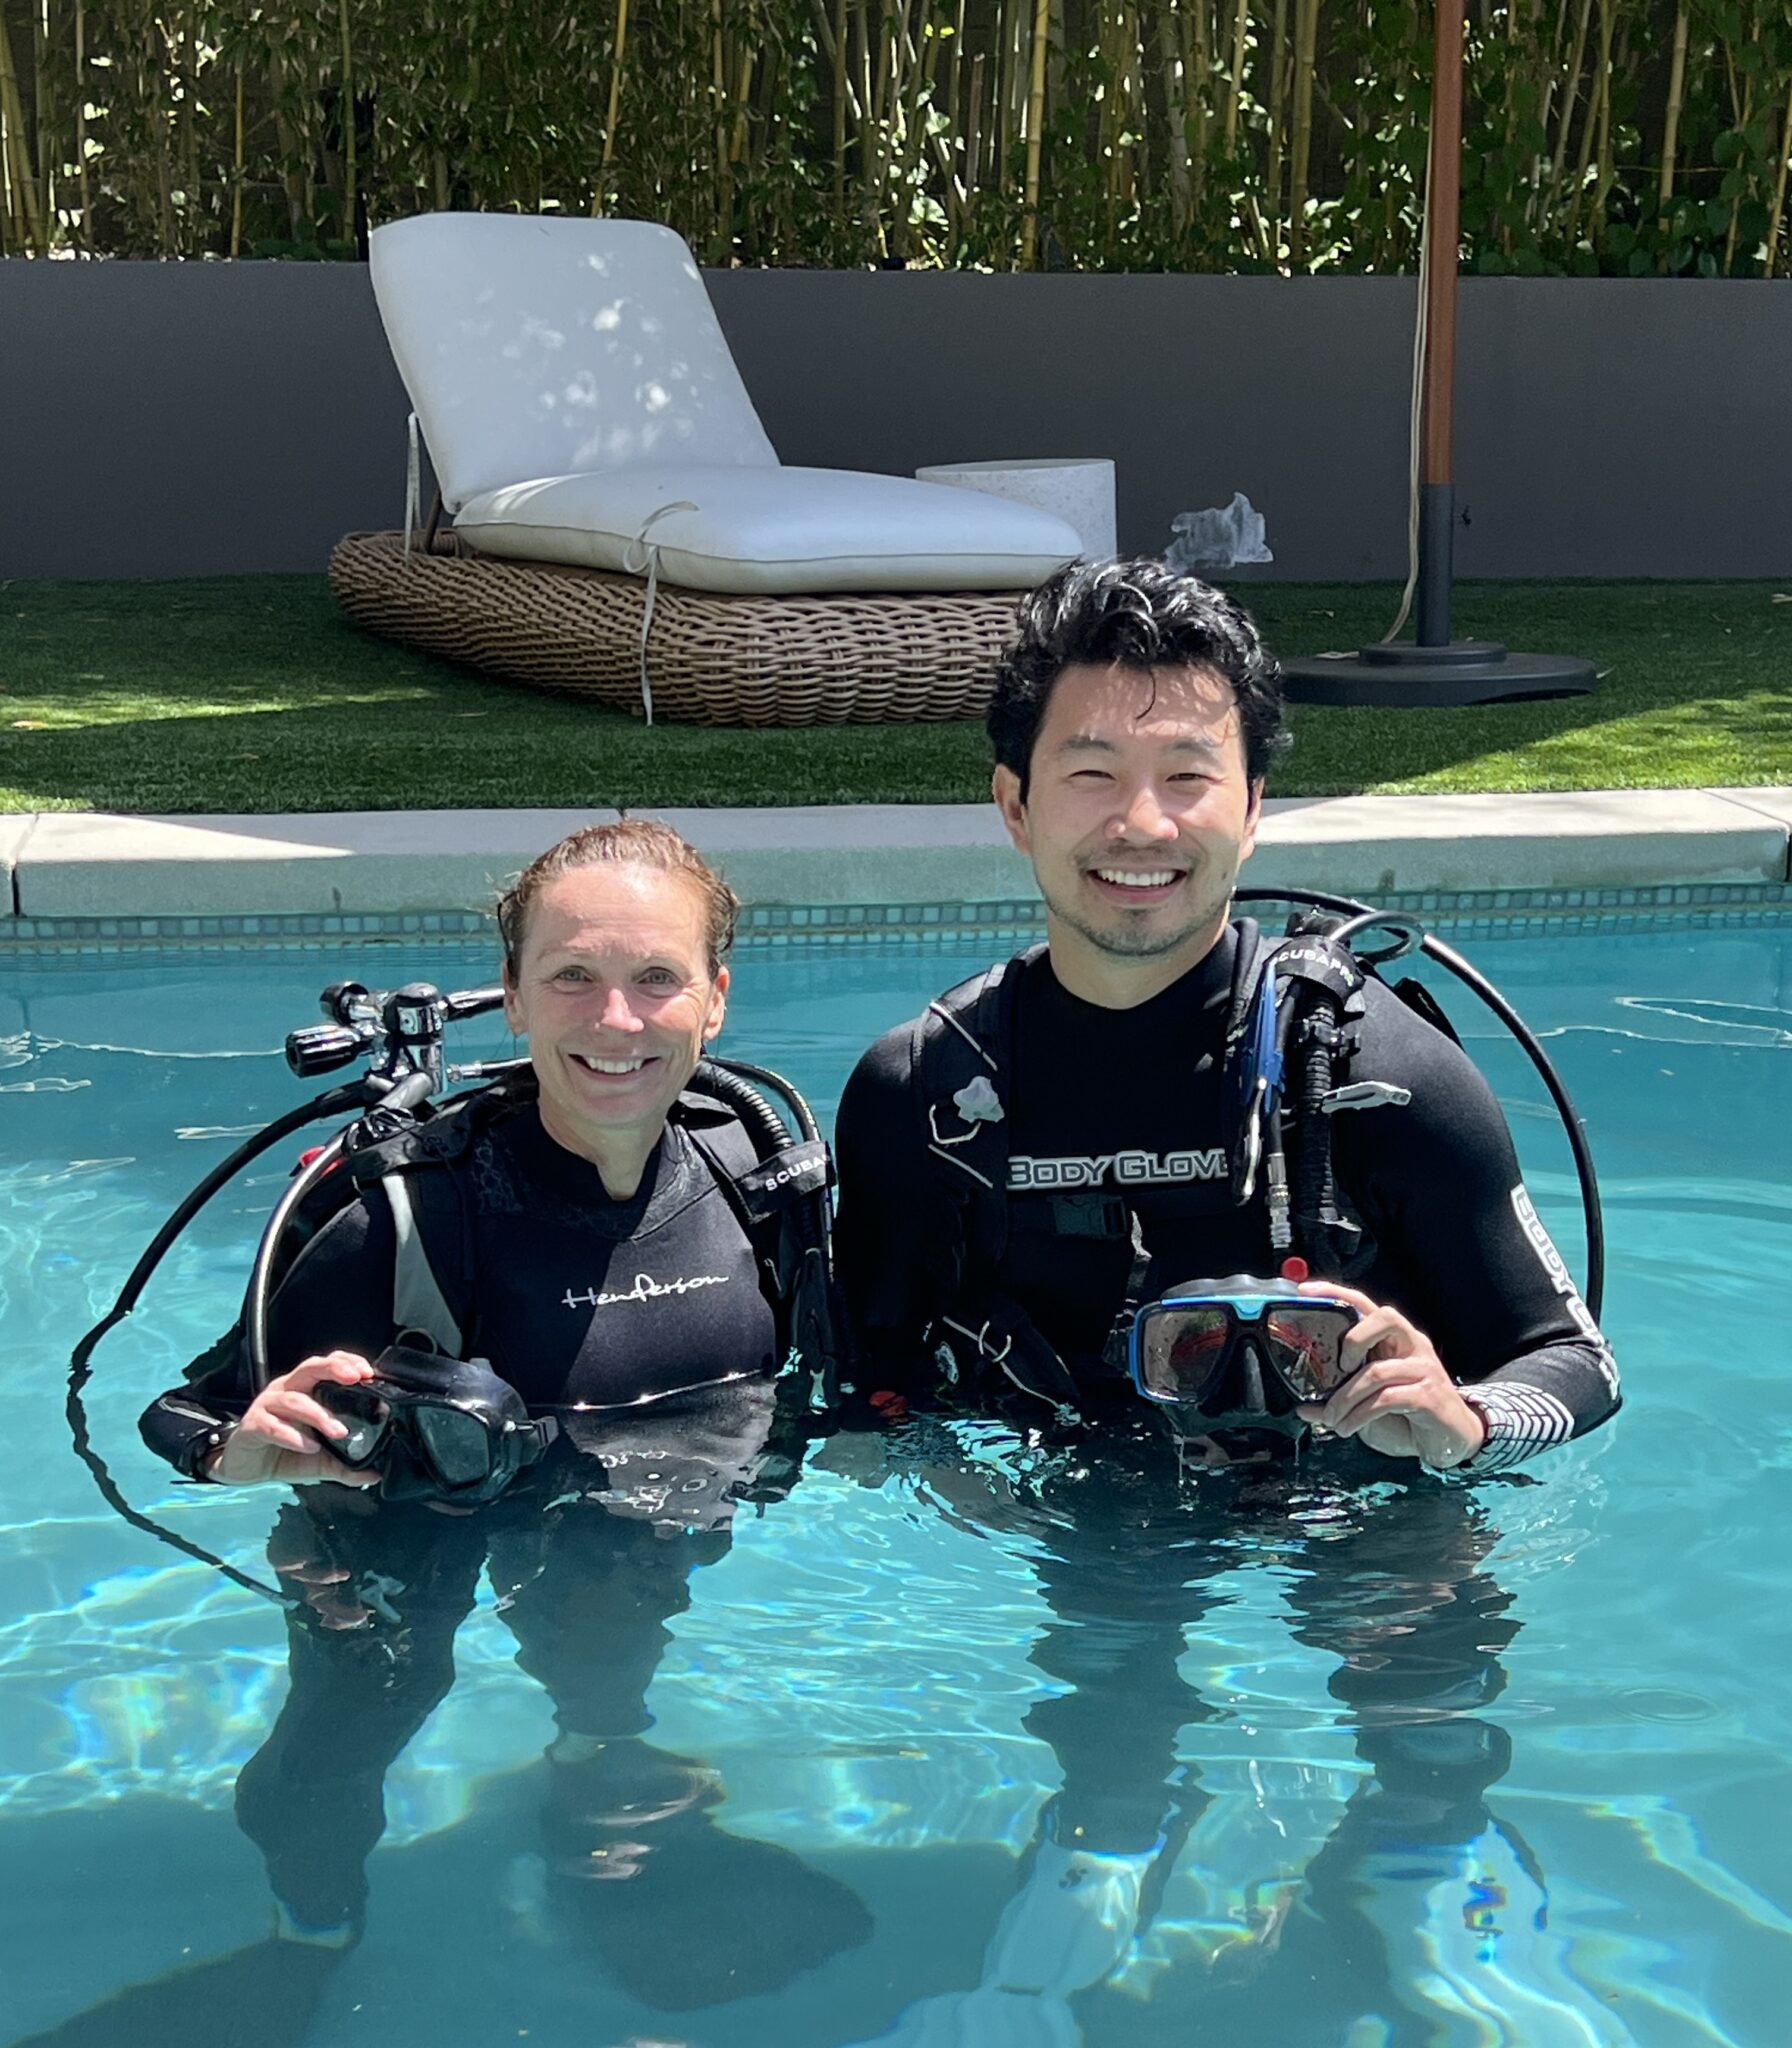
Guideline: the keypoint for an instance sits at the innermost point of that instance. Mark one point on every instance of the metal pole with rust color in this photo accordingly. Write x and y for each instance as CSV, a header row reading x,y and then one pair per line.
x,y
1437,492
1431,669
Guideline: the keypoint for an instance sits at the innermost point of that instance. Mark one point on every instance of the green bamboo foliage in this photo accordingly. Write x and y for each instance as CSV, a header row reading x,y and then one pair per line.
x,y
1616,137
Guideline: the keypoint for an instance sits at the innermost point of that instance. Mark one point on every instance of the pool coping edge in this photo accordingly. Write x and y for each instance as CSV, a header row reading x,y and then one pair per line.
x,y
67,864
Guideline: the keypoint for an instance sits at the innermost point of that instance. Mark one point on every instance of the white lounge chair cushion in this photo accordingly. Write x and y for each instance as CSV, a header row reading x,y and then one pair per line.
x,y
773,531
534,347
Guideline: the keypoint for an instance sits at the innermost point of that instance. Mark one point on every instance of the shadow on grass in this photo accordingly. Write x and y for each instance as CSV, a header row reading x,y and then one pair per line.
x,y
330,718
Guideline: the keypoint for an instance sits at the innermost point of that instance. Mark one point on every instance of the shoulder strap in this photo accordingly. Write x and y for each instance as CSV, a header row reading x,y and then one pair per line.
x,y
432,1267
418,1302
780,1199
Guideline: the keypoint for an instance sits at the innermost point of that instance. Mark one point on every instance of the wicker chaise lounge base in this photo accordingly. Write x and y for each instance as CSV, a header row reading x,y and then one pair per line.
x,y
712,660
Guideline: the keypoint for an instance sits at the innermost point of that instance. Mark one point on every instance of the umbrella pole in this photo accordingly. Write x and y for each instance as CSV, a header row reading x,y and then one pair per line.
x,y
1431,669
1443,230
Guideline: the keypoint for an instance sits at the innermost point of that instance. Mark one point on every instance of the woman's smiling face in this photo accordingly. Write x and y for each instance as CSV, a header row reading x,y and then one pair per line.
x,y
614,991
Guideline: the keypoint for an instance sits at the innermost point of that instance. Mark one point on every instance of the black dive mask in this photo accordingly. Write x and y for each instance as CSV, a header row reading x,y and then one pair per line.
x,y
436,1428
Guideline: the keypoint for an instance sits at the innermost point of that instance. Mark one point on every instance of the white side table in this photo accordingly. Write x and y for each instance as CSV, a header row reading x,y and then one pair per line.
x,y
1079,492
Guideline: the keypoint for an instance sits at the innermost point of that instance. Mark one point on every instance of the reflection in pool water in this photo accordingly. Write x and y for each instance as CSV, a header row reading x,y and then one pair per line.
x,y
930,1739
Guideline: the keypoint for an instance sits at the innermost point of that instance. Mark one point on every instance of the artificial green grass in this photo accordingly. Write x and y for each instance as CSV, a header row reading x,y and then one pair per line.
x,y
255,694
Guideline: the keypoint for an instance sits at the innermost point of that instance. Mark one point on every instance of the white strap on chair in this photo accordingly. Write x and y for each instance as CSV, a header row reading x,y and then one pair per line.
x,y
649,565
413,480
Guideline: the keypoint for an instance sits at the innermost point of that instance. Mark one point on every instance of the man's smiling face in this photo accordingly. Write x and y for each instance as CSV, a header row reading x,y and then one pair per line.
x,y
1137,814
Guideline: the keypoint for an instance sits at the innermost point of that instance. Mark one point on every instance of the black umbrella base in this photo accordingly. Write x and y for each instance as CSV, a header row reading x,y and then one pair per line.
x,y
1398,672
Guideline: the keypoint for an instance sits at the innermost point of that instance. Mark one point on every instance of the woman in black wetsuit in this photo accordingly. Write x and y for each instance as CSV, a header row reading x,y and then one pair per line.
x,y
601,1264
602,1269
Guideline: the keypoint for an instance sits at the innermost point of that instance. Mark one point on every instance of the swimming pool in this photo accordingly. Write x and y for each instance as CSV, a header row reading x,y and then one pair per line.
x,y
1492,1765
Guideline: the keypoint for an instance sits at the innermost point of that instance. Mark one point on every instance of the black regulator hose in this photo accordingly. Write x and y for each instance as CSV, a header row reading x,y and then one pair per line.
x,y
1359,916
763,1077
333,1101
738,1083
731,1083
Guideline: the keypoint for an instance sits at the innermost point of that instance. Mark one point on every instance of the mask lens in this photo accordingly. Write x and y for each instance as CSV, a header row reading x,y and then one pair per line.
x,y
1303,1345
457,1444
1181,1350
368,1418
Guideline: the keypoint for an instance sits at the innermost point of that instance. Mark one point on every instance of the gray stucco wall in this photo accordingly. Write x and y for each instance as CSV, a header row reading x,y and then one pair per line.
x,y
204,419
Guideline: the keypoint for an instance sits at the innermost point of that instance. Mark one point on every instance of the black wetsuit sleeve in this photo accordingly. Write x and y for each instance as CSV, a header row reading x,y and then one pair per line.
x,y
892,1236
1458,1245
337,1297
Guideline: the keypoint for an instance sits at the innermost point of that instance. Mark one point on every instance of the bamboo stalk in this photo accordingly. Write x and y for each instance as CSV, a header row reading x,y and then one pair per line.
x,y
81,175
1129,109
1174,65
867,139
1602,158
1548,73
195,222
1278,68
24,204
839,109
721,236
1747,115
236,169
973,132
1670,133
1241,23
1588,132
44,114
891,88
1113,111
743,88
1571,93
880,84
1029,237
1502,226
618,61
780,224
1777,212
1197,71
920,63
950,175
11,205
349,124
1306,36
1013,112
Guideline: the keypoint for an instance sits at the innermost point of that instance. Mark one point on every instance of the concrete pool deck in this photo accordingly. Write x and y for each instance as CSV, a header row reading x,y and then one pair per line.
x,y
84,865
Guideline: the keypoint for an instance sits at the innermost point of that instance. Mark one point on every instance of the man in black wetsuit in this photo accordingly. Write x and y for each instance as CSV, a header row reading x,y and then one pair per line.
x,y
1133,723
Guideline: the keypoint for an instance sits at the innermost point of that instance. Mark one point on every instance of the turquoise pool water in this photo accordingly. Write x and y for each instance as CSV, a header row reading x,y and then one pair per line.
x,y
1502,1765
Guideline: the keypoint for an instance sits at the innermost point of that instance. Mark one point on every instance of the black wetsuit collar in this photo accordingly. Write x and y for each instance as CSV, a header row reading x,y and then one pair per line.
x,y
567,1177
1206,986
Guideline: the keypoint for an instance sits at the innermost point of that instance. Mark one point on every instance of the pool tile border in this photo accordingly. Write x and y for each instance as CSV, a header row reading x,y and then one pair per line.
x,y
781,925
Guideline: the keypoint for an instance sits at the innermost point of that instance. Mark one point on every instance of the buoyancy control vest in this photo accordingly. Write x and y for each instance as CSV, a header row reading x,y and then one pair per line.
x,y
1291,1025
776,1185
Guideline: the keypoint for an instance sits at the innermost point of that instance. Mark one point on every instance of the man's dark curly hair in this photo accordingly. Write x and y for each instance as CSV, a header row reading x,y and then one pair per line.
x,y
1143,616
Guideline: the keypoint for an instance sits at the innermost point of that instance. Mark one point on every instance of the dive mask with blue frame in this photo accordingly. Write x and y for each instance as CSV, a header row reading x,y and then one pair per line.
x,y
1240,1350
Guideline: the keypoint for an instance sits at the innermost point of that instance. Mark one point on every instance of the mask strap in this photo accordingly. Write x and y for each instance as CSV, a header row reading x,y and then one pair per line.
x,y
1138,1281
